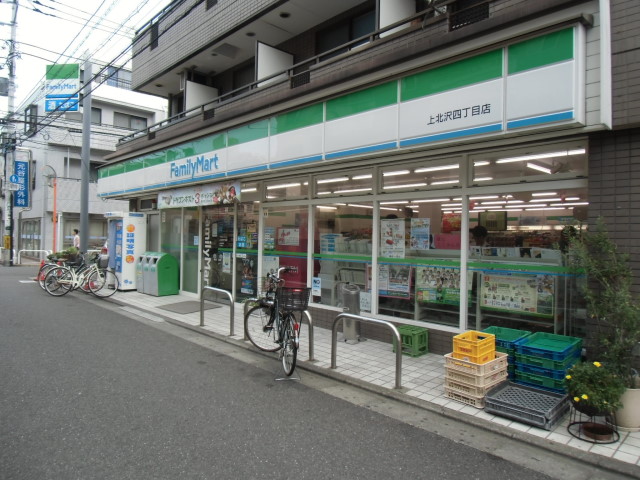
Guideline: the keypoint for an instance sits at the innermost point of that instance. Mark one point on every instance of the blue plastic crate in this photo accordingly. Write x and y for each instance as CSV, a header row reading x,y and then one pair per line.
x,y
542,372
548,345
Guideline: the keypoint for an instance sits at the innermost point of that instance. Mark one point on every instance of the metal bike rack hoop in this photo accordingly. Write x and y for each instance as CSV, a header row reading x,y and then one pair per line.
x,y
391,326
231,306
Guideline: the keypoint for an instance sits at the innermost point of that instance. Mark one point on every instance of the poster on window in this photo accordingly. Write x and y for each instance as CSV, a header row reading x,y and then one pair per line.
x,y
420,234
269,238
288,237
226,262
451,222
393,280
392,238
440,285
532,294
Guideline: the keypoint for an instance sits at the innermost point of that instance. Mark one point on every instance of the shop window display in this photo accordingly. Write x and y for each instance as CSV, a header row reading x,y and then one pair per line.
x,y
343,246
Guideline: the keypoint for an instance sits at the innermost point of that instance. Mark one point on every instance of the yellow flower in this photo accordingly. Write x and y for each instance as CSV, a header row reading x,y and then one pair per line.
x,y
568,377
597,364
585,396
576,399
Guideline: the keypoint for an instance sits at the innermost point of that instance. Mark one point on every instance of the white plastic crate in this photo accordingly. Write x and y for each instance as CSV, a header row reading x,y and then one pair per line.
x,y
475,380
497,364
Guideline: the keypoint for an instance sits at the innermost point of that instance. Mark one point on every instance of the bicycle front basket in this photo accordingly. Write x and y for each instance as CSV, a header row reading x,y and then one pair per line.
x,y
291,298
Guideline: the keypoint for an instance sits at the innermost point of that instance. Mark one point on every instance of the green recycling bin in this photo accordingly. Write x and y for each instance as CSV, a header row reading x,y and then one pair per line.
x,y
161,275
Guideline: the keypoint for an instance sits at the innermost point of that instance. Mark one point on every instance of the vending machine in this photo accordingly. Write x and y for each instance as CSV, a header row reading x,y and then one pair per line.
x,y
126,242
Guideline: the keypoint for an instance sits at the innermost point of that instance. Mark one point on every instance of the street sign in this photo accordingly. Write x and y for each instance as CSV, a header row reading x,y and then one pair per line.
x,y
14,179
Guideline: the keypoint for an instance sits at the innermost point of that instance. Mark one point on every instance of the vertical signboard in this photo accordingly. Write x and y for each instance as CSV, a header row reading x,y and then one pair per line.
x,y
62,88
21,197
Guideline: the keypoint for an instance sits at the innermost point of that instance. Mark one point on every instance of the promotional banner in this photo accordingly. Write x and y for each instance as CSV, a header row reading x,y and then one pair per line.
x,y
532,294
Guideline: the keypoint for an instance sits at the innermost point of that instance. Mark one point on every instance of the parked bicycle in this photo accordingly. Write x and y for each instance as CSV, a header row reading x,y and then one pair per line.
x,y
86,276
272,326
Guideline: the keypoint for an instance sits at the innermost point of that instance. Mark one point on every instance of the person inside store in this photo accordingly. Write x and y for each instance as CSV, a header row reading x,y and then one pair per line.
x,y
479,235
76,238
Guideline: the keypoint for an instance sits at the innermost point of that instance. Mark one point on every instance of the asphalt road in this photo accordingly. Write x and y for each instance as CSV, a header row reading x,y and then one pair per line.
x,y
89,392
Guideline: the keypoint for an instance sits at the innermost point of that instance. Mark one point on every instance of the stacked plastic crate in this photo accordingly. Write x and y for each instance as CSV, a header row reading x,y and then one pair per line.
x,y
505,343
542,360
473,368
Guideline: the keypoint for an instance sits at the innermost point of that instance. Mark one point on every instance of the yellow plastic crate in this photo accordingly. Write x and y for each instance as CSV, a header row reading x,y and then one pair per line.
x,y
499,362
473,346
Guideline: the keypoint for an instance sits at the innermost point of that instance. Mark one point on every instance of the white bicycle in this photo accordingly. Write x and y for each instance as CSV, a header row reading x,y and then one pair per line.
x,y
87,277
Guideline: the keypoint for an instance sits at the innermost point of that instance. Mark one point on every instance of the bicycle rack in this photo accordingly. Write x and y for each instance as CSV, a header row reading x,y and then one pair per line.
x,y
231,306
394,331
248,302
39,252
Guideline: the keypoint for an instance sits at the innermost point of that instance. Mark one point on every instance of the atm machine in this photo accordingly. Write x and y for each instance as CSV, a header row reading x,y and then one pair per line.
x,y
126,242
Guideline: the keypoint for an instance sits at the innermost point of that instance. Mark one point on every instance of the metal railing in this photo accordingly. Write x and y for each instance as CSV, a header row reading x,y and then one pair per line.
x,y
46,252
392,327
434,12
251,301
231,306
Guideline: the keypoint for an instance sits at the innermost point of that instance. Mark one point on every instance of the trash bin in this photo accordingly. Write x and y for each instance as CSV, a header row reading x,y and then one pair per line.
x,y
350,294
140,265
160,274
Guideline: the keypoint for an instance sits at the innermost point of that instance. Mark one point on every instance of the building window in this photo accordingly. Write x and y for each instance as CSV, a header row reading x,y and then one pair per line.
x,y
131,122
96,116
31,120
154,36
466,12
342,33
118,78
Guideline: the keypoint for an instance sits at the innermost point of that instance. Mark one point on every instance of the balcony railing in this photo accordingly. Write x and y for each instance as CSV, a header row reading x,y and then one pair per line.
x,y
301,73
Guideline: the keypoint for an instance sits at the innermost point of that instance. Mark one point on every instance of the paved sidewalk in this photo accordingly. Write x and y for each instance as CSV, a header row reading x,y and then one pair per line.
x,y
371,364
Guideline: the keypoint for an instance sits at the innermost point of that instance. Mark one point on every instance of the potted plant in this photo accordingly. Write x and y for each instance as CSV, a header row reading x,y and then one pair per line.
x,y
594,389
614,311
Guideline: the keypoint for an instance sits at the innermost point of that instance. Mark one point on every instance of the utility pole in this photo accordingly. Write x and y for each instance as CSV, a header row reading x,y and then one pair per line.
x,y
10,145
86,158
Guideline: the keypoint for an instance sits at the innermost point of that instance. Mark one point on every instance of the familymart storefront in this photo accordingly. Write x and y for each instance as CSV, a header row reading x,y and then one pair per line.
x,y
379,188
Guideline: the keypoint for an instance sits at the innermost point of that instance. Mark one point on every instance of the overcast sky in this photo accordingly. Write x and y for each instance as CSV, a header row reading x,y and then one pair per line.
x,y
66,31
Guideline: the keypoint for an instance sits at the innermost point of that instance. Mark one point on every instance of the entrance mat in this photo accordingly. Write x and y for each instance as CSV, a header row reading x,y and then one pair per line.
x,y
190,306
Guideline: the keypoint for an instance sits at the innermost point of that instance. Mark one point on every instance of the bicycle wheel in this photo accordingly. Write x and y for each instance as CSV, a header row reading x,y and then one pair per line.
x,y
58,281
42,273
290,345
103,283
257,330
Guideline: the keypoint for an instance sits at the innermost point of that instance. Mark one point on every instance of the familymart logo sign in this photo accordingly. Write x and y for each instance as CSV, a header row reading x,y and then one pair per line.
x,y
62,88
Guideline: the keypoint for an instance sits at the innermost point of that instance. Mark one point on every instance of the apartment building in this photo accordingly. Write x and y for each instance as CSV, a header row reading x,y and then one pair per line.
x,y
53,147
421,151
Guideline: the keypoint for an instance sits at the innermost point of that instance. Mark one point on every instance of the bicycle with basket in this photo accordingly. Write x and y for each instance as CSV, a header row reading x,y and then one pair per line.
x,y
272,325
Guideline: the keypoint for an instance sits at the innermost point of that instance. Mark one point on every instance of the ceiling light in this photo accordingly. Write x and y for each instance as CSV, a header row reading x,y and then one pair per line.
x,y
435,169
483,197
284,185
400,202
543,194
395,173
352,190
325,207
362,177
539,156
248,190
451,205
444,182
407,185
539,168
495,202
482,179
433,200
481,163
571,204
333,180
360,206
